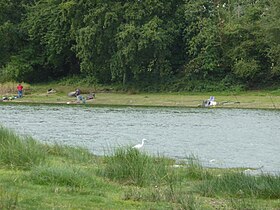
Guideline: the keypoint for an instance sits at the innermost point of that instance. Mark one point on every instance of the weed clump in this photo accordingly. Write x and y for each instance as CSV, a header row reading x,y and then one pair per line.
x,y
241,185
130,166
61,176
73,154
22,153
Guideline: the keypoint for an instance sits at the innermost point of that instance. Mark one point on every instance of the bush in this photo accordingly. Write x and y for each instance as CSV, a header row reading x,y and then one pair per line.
x,y
246,69
18,69
79,80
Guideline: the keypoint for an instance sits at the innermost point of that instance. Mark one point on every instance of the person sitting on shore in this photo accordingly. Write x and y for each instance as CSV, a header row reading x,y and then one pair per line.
x,y
91,96
78,95
77,92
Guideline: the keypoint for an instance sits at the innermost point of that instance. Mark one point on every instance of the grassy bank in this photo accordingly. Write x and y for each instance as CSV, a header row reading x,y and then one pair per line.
x,y
106,96
62,177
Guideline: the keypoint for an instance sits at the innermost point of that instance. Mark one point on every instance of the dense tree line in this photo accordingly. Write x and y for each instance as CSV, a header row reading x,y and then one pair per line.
x,y
176,43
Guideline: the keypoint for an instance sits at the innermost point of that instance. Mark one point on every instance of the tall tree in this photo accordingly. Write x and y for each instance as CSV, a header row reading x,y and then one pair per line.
x,y
130,41
271,26
48,24
11,35
245,41
95,37
204,40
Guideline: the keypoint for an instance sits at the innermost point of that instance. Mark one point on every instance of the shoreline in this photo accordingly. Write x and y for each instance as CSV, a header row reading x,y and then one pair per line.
x,y
40,94
262,100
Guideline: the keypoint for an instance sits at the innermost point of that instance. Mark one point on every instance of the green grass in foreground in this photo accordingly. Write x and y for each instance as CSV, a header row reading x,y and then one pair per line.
x,y
62,177
19,153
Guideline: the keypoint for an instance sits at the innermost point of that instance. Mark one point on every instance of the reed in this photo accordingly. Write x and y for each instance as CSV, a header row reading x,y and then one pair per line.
x,y
241,185
73,154
61,176
194,169
9,88
129,166
16,152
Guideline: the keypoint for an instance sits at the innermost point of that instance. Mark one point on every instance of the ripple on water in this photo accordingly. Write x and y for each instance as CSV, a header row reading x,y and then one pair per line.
x,y
231,137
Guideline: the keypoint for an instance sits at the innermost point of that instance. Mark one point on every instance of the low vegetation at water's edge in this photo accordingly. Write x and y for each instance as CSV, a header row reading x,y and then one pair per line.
x,y
35,175
38,94
19,153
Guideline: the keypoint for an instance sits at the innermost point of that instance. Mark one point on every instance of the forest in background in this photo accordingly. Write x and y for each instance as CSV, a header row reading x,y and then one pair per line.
x,y
162,45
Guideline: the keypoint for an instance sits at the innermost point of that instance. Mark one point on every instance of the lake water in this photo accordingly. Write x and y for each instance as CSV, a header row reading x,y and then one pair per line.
x,y
218,137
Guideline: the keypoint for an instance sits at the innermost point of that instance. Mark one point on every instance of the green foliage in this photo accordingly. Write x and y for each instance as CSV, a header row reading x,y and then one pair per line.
x,y
194,169
12,38
79,80
182,199
16,152
246,69
8,200
241,204
60,183
204,41
48,28
75,154
17,69
126,43
130,166
246,44
8,36
242,185
227,84
147,44
271,28
61,176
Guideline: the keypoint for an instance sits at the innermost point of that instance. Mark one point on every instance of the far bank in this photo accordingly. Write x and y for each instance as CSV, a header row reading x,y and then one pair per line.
x,y
109,97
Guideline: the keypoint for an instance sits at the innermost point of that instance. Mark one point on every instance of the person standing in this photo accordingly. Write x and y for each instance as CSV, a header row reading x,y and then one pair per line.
x,y
19,89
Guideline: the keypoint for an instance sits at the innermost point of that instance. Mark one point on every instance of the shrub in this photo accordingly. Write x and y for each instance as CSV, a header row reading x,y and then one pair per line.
x,y
17,69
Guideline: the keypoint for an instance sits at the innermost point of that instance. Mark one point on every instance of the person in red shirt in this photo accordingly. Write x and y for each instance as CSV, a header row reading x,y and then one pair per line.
x,y
19,88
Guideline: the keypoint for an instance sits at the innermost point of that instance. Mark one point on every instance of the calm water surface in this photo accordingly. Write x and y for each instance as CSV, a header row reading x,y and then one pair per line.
x,y
218,137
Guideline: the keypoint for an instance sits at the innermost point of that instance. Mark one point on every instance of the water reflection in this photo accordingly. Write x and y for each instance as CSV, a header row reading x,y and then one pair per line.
x,y
219,137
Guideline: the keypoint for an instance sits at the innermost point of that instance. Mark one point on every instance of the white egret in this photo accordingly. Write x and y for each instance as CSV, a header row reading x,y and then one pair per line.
x,y
138,146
